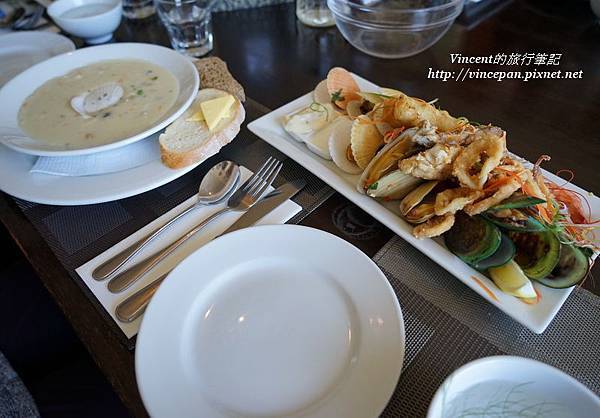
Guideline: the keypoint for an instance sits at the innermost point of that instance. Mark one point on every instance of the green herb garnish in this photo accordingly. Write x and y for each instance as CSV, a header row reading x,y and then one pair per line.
x,y
154,78
374,186
318,107
337,96
140,92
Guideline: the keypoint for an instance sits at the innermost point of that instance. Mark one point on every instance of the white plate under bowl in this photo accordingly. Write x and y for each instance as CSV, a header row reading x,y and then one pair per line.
x,y
508,386
16,180
21,50
535,317
14,93
271,321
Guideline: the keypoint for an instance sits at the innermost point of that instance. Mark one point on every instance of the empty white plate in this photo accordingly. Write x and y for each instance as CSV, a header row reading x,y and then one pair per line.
x,y
21,50
508,386
271,321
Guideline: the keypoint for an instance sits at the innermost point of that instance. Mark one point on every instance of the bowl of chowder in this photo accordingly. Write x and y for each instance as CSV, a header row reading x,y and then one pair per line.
x,y
95,99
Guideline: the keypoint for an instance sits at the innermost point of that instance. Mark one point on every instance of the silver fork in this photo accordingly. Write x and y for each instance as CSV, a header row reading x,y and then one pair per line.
x,y
243,199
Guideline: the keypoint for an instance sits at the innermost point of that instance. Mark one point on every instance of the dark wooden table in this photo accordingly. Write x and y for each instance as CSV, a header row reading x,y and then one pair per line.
x,y
277,59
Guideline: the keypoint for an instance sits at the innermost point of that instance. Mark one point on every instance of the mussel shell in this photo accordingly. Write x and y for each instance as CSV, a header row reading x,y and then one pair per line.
x,y
415,197
420,213
395,146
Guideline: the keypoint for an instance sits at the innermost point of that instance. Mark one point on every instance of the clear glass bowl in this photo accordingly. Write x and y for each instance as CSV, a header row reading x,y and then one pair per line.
x,y
394,28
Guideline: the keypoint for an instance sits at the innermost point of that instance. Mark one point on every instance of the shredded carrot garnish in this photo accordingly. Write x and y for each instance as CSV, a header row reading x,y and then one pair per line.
x,y
389,136
485,288
508,175
572,200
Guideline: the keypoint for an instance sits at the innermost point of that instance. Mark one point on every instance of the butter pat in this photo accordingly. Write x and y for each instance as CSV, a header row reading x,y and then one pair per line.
x,y
196,117
216,109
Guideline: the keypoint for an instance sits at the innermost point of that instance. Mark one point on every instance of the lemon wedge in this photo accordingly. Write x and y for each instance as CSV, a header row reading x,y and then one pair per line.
x,y
511,279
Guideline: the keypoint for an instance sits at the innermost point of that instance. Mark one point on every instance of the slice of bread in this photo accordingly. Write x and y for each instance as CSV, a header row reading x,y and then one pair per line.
x,y
214,73
186,142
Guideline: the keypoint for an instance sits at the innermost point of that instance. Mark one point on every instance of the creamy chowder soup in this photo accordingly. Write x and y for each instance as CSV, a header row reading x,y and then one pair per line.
x,y
145,93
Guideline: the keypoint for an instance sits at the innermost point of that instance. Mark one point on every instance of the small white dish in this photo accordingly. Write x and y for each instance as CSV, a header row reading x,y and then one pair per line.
x,y
93,20
271,321
535,317
16,91
510,386
21,50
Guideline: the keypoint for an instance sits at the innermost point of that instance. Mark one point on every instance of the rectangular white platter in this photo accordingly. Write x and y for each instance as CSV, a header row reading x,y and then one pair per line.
x,y
535,317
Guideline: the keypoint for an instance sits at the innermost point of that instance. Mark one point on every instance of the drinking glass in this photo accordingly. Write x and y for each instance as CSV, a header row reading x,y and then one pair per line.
x,y
138,9
314,13
189,24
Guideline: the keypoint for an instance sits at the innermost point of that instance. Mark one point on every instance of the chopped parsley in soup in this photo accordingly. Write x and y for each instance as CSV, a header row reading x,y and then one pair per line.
x,y
98,104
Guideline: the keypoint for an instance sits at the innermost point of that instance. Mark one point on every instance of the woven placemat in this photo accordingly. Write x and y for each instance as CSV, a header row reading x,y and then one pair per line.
x,y
77,234
448,325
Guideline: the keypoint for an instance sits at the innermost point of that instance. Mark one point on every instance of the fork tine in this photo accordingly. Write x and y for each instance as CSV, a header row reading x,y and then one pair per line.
x,y
257,175
265,174
270,179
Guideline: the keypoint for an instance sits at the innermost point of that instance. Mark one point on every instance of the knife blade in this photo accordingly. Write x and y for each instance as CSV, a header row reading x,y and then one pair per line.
x,y
267,204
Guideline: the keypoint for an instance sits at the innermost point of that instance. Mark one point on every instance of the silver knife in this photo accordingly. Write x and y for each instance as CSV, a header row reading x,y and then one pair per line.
x,y
133,306
267,204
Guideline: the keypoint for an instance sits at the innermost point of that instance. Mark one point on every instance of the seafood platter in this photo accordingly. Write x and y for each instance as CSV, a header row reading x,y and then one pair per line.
x,y
518,235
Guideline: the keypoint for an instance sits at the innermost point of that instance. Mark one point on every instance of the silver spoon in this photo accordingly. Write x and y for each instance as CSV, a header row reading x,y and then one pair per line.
x,y
216,185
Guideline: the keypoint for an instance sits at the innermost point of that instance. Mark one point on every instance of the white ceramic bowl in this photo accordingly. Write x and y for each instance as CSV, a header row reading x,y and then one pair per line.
x,y
93,20
16,91
505,385
595,5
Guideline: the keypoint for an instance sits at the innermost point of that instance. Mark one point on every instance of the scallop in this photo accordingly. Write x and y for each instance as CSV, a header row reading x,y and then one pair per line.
x,y
97,99
365,141
354,108
339,143
341,82
320,93
383,127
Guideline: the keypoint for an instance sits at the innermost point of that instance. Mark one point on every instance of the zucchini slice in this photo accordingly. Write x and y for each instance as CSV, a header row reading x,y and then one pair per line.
x,y
529,225
505,252
537,252
517,201
472,238
571,269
